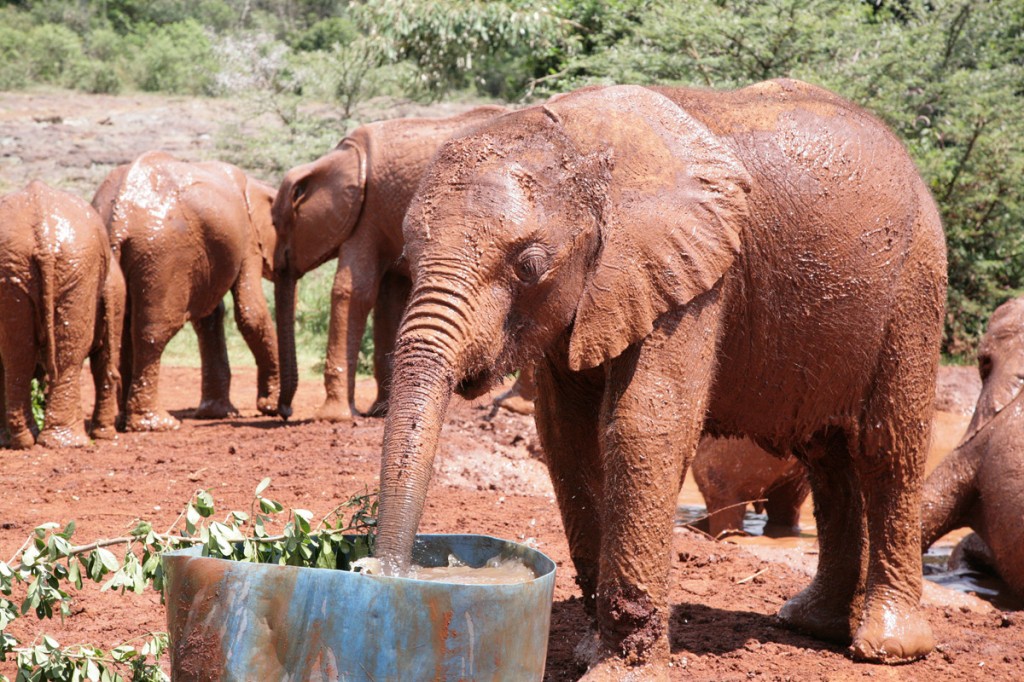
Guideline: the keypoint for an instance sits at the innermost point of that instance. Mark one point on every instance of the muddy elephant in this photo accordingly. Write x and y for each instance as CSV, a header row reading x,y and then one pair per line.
x,y
185,234
764,262
349,204
60,302
730,472
981,483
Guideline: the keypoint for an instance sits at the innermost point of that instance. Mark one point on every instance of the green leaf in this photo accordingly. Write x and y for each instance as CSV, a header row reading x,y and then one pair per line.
x,y
109,560
75,573
262,486
204,503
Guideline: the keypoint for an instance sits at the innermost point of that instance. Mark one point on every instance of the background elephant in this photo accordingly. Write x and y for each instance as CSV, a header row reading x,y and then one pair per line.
x,y
981,483
730,472
763,262
349,204
185,234
60,301
733,470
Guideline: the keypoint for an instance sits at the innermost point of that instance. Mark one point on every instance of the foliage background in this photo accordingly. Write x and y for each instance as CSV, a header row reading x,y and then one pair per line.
x,y
946,75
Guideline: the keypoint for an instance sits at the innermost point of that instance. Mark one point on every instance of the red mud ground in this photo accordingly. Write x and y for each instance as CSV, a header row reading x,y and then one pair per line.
x,y
487,481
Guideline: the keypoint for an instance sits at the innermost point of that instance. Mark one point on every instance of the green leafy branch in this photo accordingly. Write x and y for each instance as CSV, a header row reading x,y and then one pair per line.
x,y
47,564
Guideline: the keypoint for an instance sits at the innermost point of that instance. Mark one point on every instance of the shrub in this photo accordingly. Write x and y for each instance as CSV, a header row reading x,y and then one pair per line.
x,y
53,52
325,34
14,69
176,58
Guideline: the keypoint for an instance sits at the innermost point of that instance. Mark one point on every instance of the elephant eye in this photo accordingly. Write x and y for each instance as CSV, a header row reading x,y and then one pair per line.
x,y
532,263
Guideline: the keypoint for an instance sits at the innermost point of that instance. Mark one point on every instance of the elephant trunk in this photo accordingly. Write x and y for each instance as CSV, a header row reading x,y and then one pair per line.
x,y
284,298
426,362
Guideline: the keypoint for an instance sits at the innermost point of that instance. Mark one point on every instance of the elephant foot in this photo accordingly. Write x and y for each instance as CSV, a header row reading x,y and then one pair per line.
x,y
818,613
602,666
21,440
333,411
267,405
215,409
103,433
892,632
62,437
151,421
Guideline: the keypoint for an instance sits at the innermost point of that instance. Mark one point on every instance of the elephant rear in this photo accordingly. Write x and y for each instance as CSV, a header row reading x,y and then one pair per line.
x,y
56,259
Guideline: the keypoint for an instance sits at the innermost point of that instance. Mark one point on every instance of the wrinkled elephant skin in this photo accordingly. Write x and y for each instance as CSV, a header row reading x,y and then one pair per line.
x,y
764,262
981,483
55,269
349,204
185,234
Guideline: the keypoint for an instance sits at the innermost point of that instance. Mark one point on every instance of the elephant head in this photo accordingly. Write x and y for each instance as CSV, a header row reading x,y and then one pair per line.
x,y
1000,363
565,230
316,209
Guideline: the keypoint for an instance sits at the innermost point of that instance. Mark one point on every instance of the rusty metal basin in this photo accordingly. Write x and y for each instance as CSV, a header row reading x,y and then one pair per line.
x,y
237,621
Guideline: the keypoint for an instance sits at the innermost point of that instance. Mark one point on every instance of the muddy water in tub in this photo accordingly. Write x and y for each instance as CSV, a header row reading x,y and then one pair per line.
x,y
496,571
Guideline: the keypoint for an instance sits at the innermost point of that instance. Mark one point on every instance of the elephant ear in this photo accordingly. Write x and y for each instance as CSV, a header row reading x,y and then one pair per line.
x,y
350,174
672,218
259,198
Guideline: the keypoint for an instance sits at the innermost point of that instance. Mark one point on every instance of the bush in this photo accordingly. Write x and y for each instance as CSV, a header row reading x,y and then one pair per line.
x,y
14,69
176,58
325,34
53,52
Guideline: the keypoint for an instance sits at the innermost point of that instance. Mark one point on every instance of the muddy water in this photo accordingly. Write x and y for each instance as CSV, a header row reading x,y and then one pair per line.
x,y
947,430
496,571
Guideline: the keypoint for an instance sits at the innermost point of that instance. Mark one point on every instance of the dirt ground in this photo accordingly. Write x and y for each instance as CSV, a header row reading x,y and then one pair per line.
x,y
489,478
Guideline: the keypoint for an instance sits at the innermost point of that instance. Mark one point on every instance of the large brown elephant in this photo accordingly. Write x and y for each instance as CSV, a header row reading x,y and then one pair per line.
x,y
349,204
185,234
981,483
764,262
60,301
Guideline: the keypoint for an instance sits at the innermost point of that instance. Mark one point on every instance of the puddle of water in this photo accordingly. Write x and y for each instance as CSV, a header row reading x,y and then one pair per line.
x,y
980,583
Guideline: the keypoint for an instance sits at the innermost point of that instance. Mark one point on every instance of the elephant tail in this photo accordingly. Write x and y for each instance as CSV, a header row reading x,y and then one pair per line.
x,y
46,264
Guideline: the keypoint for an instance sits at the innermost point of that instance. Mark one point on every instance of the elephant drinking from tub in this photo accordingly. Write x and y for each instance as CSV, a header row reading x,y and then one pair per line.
x,y
185,234
349,204
762,262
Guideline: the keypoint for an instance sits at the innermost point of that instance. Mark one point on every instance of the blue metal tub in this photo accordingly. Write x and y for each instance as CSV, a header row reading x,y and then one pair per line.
x,y
241,621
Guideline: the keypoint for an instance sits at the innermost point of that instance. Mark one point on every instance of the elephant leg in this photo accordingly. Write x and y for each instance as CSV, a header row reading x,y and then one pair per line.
x,y
353,294
387,316
784,500
215,402
18,364
253,319
890,467
64,424
830,605
150,334
725,515
127,357
567,424
105,358
652,417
